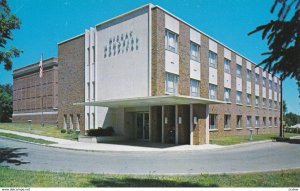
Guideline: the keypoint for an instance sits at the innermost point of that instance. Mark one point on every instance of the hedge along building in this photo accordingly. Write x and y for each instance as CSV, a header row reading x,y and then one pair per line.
x,y
147,74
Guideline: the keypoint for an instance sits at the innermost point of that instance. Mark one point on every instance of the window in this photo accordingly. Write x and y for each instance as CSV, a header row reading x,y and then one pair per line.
x,y
248,122
194,88
88,86
171,41
226,121
270,84
88,121
270,103
78,121
275,121
256,101
264,82
226,66
239,97
65,121
270,121
94,92
264,102
238,121
275,105
212,121
257,121
88,56
171,83
275,87
227,94
248,99
264,122
93,120
256,78
238,71
212,91
71,122
212,59
249,73
94,55
195,51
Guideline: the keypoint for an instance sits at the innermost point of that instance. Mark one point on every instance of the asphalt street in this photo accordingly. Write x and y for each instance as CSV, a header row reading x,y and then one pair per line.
x,y
266,156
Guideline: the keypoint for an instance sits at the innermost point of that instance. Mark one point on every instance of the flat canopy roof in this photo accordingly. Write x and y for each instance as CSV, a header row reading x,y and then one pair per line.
x,y
151,101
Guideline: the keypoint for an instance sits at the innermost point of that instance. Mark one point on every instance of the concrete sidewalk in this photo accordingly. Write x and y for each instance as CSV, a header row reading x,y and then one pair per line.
x,y
143,147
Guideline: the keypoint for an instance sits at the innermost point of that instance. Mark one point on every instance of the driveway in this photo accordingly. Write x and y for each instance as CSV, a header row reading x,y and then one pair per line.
x,y
265,156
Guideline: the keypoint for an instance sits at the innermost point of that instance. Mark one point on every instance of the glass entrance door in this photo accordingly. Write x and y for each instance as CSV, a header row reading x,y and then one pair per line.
x,y
142,123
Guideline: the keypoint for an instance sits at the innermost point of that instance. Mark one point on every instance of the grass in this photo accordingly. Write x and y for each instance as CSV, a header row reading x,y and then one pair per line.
x,y
24,178
47,130
29,139
237,139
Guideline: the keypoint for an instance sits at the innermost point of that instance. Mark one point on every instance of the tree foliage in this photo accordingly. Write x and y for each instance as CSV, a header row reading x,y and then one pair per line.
x,y
6,102
291,119
283,38
8,22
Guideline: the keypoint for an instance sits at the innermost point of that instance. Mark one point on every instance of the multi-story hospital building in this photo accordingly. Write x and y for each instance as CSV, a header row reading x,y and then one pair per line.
x,y
152,76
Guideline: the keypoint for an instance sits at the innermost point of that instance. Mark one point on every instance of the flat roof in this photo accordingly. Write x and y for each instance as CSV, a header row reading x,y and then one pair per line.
x,y
151,101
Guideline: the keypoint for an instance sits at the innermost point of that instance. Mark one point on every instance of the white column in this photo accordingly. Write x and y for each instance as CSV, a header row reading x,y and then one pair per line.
x,y
191,124
162,124
176,124
207,125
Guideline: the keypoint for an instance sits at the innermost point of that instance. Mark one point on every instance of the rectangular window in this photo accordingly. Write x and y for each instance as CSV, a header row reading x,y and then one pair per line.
x,y
248,123
270,103
65,121
78,122
264,121
270,121
248,99
88,56
227,94
257,121
71,121
195,51
212,59
264,82
275,121
89,121
171,41
194,88
270,84
238,121
171,83
94,92
275,105
264,102
256,101
226,121
275,87
238,71
94,55
212,91
212,121
256,78
239,97
249,74
226,66
93,121
88,85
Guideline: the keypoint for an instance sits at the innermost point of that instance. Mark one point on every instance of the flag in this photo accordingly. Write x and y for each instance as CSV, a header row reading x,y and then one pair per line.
x,y
41,66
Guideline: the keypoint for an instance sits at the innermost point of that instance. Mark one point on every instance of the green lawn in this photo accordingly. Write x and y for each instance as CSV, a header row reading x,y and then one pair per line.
x,y
47,130
24,178
29,139
237,139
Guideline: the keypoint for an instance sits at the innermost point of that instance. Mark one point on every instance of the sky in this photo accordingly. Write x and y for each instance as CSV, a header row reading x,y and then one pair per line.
x,y
48,22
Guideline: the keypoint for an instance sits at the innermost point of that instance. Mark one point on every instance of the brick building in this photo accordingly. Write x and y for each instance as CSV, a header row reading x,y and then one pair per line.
x,y
153,77
30,91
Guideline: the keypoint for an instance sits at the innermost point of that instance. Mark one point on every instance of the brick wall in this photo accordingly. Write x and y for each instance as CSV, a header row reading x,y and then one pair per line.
x,y
71,81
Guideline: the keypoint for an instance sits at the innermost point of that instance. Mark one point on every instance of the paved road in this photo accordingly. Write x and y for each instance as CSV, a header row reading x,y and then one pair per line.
x,y
254,157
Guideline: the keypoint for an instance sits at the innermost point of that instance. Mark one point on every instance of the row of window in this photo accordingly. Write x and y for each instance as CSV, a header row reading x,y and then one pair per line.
x,y
72,124
238,125
171,44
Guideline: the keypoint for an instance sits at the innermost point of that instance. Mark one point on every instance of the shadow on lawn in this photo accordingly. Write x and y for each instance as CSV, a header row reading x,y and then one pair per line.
x,y
144,182
12,156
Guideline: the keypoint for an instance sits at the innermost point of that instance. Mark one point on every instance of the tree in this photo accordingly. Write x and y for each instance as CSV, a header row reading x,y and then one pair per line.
x,y
8,22
6,103
283,37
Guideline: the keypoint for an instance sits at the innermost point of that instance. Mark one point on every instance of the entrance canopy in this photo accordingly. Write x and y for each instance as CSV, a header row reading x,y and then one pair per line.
x,y
151,101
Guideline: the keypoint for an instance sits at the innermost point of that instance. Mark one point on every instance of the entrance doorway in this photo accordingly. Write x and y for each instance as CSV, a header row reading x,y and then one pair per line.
x,y
142,126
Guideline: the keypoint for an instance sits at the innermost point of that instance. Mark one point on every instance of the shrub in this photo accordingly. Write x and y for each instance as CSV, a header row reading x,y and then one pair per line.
x,y
109,131
63,131
70,131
